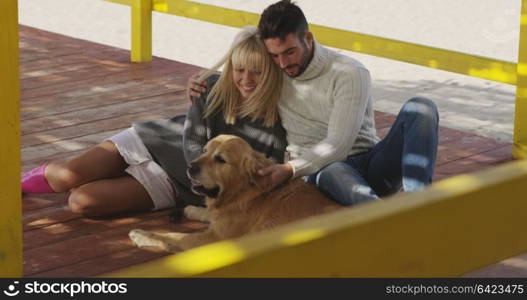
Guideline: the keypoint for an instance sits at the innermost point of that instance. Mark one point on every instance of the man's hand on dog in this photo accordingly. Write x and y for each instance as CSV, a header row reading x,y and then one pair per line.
x,y
194,87
278,173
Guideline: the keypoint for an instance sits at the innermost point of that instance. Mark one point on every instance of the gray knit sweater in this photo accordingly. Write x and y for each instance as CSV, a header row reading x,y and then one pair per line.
x,y
175,142
327,111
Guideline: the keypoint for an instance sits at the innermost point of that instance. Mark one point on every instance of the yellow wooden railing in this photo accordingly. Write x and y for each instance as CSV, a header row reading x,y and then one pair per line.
x,y
452,227
520,116
10,205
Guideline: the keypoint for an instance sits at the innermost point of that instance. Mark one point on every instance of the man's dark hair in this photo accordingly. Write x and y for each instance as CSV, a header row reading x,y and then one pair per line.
x,y
280,19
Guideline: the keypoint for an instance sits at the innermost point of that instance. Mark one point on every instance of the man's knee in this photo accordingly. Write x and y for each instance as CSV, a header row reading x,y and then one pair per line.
x,y
423,109
344,184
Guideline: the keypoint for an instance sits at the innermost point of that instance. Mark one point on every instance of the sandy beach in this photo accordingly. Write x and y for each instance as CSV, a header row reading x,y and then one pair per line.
x,y
483,27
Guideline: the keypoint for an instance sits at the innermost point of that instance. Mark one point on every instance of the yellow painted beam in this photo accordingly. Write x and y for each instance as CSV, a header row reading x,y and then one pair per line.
x,y
446,60
457,62
10,196
207,13
452,61
141,30
454,226
124,2
519,149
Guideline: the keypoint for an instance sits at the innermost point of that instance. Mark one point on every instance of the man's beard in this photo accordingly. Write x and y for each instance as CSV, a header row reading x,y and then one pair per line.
x,y
304,62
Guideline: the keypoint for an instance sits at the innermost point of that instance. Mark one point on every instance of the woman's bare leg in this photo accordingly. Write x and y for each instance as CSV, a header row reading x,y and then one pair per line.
x,y
100,162
110,196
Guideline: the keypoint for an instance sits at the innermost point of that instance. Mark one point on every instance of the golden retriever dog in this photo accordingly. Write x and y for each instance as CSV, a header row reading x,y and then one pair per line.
x,y
238,200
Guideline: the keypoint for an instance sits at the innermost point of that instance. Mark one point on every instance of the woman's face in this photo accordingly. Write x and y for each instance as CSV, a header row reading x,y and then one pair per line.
x,y
246,80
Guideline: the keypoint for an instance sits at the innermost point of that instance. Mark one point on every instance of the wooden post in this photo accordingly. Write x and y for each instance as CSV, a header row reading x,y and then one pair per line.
x,y
141,30
519,149
10,196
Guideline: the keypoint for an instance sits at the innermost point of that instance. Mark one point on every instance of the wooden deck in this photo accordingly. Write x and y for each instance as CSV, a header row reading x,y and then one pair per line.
x,y
75,93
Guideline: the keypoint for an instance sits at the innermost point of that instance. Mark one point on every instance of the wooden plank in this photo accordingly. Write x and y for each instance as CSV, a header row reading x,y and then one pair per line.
x,y
474,162
84,113
383,120
78,74
135,72
466,146
55,72
101,95
55,40
35,202
47,216
70,132
73,251
73,228
87,56
100,113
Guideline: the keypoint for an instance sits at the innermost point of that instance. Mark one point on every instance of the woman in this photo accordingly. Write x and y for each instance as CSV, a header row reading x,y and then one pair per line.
x,y
144,167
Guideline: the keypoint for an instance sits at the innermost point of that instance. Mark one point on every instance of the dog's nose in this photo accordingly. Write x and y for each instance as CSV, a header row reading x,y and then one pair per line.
x,y
194,168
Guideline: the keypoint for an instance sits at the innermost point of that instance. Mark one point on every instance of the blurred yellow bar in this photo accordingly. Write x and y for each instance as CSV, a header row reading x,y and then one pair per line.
x,y
453,227
519,149
10,196
141,30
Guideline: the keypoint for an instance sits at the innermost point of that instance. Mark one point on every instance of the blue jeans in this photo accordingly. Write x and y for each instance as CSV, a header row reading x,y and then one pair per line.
x,y
405,159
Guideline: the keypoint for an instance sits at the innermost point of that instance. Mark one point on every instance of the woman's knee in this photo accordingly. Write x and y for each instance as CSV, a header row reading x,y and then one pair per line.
x,y
62,177
82,202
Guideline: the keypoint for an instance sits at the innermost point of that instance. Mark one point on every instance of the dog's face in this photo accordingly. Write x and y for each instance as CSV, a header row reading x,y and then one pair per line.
x,y
228,163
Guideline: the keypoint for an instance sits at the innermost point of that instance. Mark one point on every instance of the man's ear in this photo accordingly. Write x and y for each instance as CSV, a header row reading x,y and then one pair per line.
x,y
308,36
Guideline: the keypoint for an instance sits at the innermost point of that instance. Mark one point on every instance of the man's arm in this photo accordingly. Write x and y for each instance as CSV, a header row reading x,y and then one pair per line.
x,y
351,96
195,88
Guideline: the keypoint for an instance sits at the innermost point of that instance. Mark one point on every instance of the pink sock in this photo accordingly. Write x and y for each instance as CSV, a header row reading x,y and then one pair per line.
x,y
34,182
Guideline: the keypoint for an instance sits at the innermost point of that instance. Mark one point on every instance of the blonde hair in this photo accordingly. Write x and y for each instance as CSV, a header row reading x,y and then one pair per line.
x,y
247,51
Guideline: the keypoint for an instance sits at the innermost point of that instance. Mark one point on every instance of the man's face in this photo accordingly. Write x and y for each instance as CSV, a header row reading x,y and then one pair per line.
x,y
291,54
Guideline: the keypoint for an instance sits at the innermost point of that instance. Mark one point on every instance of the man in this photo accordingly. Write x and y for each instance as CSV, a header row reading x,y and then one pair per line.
x,y
327,112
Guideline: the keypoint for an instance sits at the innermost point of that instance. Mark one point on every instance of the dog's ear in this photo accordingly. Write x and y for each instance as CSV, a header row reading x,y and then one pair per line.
x,y
254,162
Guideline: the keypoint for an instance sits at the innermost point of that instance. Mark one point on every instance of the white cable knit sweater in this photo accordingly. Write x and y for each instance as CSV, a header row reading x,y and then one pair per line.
x,y
327,111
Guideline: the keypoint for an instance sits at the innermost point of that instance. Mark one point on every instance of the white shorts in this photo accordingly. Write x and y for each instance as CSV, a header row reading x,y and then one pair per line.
x,y
144,169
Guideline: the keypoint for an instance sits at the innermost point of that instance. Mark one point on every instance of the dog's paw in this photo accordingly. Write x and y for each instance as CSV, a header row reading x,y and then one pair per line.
x,y
142,238
196,213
